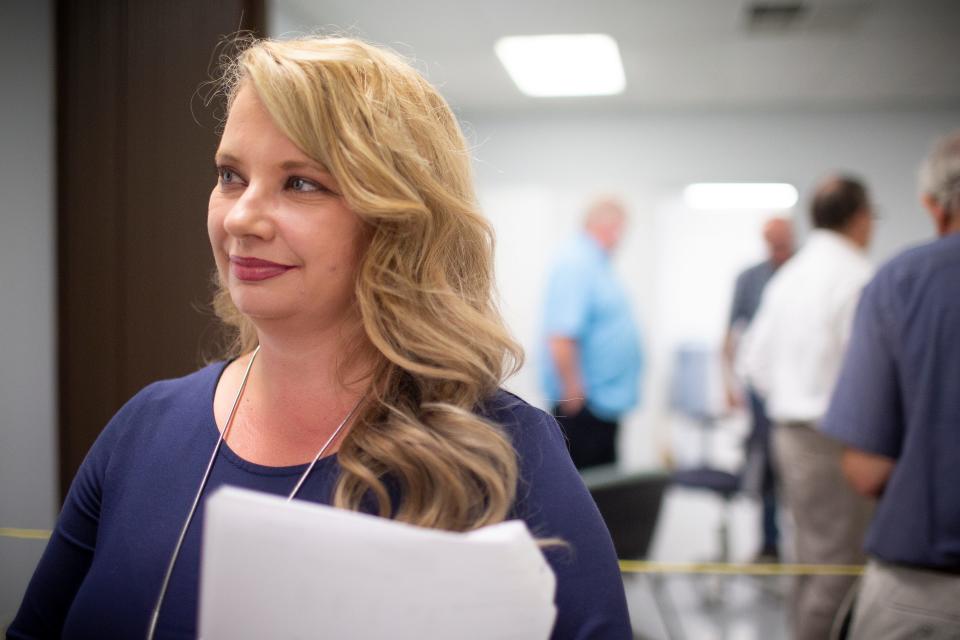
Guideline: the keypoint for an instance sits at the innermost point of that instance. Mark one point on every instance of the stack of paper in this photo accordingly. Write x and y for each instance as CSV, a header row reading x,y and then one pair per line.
x,y
278,569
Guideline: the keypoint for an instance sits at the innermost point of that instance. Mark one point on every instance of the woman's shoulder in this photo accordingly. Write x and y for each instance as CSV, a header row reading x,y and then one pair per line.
x,y
534,433
552,499
516,415
172,399
203,381
156,419
192,390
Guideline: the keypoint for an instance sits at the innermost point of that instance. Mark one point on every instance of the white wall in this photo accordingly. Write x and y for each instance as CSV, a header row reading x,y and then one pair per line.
x,y
535,175
28,494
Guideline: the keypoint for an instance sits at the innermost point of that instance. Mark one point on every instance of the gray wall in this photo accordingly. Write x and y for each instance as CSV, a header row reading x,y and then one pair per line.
x,y
650,156
28,495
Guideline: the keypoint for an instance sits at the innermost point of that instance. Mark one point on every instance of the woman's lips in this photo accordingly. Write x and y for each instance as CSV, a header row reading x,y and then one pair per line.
x,y
255,269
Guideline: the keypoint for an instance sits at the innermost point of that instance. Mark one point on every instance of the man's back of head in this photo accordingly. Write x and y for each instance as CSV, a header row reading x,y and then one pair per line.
x,y
940,184
841,204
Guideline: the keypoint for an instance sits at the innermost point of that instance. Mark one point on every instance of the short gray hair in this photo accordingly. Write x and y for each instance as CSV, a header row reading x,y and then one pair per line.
x,y
940,173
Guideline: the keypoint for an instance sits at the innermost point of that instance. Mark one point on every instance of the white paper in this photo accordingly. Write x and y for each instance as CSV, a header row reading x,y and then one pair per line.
x,y
273,569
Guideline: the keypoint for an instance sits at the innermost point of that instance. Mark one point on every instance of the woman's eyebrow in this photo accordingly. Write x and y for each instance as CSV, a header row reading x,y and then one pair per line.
x,y
291,165
288,165
225,158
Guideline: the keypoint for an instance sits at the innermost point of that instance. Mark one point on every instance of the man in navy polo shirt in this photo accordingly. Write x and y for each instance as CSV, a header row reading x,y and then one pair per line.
x,y
778,236
897,409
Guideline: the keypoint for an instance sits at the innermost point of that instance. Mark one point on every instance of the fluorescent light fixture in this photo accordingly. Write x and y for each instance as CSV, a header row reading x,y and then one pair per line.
x,y
740,195
563,65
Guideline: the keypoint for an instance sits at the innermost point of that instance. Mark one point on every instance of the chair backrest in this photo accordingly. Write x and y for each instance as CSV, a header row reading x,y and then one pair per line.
x,y
695,380
630,506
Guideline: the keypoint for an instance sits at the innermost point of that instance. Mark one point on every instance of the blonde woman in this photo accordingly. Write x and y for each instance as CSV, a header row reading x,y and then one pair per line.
x,y
355,270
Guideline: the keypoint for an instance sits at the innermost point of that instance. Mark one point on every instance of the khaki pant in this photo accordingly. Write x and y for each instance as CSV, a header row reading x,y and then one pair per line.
x,y
899,602
830,521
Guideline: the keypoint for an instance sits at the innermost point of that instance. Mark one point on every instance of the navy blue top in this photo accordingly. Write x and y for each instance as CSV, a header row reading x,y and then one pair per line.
x,y
748,292
899,396
100,574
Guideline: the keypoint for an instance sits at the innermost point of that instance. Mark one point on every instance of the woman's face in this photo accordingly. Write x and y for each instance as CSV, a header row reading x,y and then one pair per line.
x,y
285,243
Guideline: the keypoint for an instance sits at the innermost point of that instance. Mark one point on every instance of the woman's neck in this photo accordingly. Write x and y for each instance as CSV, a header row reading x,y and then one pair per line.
x,y
298,392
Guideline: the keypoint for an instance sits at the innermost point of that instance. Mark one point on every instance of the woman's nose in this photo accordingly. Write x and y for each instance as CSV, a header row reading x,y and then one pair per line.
x,y
249,216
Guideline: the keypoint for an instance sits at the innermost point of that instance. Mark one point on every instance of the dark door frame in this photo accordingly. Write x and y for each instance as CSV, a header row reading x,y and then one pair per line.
x,y
134,169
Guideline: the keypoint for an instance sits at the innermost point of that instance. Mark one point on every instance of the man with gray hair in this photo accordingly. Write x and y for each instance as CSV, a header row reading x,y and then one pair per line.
x,y
896,408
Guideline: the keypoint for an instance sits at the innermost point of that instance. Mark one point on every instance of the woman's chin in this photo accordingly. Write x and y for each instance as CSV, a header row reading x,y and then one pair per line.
x,y
260,310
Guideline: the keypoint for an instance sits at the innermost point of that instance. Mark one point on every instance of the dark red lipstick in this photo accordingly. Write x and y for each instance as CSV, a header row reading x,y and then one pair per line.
x,y
255,269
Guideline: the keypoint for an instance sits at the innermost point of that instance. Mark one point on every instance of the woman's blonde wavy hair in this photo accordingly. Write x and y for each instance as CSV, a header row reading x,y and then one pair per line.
x,y
424,288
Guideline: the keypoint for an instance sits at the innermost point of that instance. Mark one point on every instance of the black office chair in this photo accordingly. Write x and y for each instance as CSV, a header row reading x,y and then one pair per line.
x,y
630,506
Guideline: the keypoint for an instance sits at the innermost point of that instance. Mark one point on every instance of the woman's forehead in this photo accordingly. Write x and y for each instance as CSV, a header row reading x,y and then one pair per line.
x,y
246,107
250,129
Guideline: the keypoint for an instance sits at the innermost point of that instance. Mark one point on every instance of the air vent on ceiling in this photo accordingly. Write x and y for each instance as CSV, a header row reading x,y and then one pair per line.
x,y
765,17
794,16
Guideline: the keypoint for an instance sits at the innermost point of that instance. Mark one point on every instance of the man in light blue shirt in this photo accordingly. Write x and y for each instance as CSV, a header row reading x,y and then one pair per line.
x,y
593,358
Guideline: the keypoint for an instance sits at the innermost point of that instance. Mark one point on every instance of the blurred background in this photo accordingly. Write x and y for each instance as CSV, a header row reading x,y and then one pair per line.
x,y
106,163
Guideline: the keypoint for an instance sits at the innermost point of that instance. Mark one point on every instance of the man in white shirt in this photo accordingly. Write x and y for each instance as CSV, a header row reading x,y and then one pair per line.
x,y
792,355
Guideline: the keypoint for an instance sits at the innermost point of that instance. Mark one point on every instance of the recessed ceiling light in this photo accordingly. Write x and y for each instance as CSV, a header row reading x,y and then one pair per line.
x,y
740,195
563,65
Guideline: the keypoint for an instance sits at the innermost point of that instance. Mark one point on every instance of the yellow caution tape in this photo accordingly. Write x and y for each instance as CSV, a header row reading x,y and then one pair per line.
x,y
24,534
630,566
743,569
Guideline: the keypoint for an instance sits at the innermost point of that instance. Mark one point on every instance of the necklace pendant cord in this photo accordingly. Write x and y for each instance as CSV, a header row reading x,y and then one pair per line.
x,y
155,615
324,448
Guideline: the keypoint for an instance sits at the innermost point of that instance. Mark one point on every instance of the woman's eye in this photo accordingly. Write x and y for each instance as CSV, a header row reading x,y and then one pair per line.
x,y
302,185
227,176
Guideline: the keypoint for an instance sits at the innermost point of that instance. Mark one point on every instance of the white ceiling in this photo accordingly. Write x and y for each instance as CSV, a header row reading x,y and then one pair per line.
x,y
687,54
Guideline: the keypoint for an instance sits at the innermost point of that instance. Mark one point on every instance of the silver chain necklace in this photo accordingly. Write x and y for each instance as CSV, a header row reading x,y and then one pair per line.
x,y
155,616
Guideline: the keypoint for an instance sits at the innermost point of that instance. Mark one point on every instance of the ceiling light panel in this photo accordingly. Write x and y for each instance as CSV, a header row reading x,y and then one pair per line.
x,y
563,65
740,195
